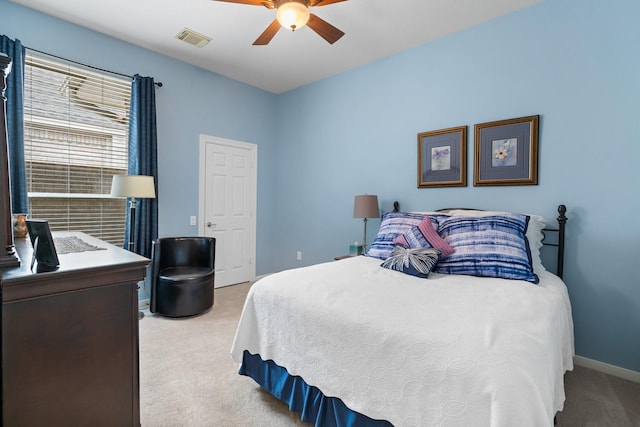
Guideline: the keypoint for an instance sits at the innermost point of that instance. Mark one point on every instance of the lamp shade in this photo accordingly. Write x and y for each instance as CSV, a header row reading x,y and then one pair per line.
x,y
292,15
137,186
366,206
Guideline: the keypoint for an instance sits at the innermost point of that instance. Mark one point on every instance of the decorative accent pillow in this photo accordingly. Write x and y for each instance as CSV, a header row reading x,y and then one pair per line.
x,y
414,261
393,224
424,235
534,234
488,246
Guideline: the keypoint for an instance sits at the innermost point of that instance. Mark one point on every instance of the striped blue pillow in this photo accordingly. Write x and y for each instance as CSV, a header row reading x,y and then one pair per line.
x,y
488,246
424,235
393,225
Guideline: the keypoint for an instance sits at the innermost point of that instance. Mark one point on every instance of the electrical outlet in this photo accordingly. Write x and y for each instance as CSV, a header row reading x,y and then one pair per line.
x,y
299,255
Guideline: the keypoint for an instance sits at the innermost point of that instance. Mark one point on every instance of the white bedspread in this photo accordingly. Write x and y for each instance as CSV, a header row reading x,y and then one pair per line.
x,y
444,351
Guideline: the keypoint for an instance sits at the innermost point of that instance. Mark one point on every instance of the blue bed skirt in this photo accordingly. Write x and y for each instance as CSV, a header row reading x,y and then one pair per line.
x,y
313,406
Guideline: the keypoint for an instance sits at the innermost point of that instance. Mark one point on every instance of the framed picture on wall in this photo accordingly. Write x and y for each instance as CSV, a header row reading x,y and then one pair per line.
x,y
506,152
442,158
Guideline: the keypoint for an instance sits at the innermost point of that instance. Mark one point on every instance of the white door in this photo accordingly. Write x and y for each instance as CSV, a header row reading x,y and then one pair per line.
x,y
227,206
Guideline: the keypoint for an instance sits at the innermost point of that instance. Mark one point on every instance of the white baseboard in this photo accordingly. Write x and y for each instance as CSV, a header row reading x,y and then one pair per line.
x,y
252,281
216,286
606,368
143,303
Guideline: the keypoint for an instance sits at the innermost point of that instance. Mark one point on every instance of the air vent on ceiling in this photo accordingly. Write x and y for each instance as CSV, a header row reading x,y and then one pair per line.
x,y
192,37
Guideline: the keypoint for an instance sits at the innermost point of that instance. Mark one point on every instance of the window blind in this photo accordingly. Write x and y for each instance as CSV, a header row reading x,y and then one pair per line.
x,y
76,132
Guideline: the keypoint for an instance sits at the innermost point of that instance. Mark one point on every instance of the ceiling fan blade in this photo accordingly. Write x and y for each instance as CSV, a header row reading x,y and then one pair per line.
x,y
266,3
268,34
318,3
324,29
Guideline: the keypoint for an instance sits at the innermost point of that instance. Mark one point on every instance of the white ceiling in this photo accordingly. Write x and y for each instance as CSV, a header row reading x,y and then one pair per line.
x,y
374,29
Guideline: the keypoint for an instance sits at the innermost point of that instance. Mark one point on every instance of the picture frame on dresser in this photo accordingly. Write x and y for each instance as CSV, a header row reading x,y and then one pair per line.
x,y
506,152
44,248
442,158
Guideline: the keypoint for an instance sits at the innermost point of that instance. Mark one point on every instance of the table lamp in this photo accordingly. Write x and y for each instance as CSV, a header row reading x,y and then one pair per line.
x,y
132,187
366,206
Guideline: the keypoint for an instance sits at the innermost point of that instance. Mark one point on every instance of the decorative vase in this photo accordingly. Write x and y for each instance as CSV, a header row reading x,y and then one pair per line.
x,y
19,225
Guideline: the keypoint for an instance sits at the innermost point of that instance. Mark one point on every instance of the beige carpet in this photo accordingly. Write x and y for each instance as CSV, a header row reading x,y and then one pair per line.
x,y
187,378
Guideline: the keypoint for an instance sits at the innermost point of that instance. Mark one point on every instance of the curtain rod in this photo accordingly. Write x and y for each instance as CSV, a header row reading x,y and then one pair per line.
x,y
159,84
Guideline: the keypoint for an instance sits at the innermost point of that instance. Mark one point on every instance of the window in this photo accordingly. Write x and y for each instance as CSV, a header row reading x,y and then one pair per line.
x,y
76,132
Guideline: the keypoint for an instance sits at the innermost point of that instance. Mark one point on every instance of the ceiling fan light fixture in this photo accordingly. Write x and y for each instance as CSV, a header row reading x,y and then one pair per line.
x,y
292,15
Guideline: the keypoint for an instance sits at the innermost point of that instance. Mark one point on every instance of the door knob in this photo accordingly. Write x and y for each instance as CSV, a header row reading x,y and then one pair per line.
x,y
210,224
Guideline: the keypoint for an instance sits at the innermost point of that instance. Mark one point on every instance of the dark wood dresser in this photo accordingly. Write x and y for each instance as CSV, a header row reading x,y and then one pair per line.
x,y
70,338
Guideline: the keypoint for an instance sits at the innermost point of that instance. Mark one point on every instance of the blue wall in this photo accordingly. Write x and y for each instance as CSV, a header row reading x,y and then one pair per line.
x,y
190,103
574,62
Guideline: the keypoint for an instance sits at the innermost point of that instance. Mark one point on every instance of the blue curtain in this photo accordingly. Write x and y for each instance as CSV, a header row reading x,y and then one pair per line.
x,y
143,160
15,124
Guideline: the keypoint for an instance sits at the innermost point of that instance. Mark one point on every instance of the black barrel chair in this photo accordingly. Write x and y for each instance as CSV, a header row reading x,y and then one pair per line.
x,y
182,275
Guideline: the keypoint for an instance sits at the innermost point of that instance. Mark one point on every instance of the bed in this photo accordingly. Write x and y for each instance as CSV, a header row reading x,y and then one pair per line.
x,y
405,336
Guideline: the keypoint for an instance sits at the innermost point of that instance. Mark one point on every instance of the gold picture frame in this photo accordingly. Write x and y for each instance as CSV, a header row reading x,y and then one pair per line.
x,y
506,152
442,158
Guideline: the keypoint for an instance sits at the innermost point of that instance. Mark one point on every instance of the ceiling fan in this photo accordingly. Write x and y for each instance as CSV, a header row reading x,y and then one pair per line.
x,y
294,14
